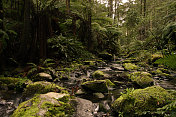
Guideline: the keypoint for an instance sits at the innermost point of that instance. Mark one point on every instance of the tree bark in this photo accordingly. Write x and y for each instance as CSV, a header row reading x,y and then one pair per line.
x,y
145,8
24,47
89,30
141,7
110,2
1,22
68,6
1,15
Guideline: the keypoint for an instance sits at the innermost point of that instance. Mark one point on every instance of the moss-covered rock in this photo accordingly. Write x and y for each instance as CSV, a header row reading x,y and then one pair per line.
x,y
45,105
130,66
13,83
155,57
42,87
140,101
142,78
97,86
42,77
162,72
98,74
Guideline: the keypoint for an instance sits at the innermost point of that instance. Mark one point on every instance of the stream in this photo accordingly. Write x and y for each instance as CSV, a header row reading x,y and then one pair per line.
x,y
10,100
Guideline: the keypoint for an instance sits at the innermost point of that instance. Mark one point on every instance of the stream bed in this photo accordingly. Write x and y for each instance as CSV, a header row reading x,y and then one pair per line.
x,y
10,100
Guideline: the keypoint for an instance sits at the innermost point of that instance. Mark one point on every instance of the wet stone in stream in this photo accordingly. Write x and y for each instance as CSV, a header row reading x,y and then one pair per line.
x,y
9,101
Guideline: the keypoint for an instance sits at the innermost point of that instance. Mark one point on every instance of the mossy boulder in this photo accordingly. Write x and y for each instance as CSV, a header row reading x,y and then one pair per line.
x,y
162,72
45,105
11,83
97,86
139,101
130,66
98,74
155,57
41,87
143,79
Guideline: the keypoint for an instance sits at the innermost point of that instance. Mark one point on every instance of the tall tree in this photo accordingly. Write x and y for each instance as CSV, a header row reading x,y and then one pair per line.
x,y
1,15
89,21
68,6
24,48
1,23
110,3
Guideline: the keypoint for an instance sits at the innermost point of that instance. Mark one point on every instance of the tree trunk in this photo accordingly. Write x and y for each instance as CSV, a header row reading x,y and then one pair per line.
x,y
1,15
24,47
1,28
74,25
144,8
89,29
141,7
115,14
44,31
110,8
68,6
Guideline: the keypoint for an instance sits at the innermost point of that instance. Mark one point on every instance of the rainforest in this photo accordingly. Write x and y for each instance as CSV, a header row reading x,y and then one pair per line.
x,y
87,58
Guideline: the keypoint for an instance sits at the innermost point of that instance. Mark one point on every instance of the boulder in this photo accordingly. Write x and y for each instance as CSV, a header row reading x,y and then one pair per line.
x,y
130,66
10,83
143,79
40,88
140,101
83,107
99,95
162,72
42,77
98,74
45,105
156,56
97,86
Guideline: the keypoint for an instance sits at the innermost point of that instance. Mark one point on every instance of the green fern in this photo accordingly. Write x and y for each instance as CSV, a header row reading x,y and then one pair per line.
x,y
169,61
168,110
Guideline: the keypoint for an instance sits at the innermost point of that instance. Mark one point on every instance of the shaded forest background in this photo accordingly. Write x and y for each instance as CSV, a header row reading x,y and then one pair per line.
x,y
71,30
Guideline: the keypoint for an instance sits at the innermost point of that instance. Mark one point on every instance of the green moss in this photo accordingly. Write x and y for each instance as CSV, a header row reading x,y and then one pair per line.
x,y
160,72
91,63
14,83
28,108
127,61
42,87
9,80
97,86
65,99
141,78
61,110
42,105
130,66
142,100
156,56
98,74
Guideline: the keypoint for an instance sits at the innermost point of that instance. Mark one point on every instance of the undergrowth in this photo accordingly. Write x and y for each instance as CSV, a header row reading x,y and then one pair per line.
x,y
169,61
